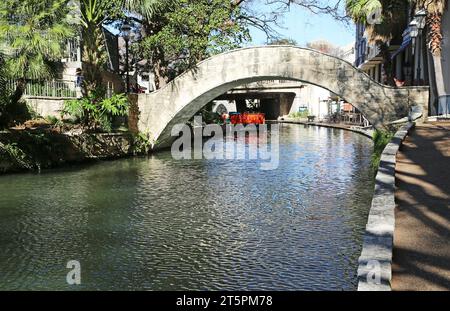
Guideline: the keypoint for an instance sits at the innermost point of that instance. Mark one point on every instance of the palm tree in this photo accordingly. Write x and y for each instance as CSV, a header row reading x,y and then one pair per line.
x,y
32,35
2,81
94,14
146,8
3,89
435,9
393,21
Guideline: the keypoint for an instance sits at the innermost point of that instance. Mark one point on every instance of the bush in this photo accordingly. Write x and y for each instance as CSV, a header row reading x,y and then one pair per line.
x,y
142,143
95,113
299,114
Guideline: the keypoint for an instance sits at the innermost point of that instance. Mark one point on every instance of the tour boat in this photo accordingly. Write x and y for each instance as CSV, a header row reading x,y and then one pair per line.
x,y
247,118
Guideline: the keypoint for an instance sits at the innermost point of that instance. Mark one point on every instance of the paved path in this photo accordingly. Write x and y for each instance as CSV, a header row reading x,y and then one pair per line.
x,y
422,236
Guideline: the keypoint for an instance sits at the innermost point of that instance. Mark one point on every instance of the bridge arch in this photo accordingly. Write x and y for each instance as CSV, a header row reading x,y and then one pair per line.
x,y
178,101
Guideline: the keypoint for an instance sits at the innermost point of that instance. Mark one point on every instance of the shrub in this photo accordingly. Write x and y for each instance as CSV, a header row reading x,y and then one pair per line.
x,y
95,113
142,143
299,114
380,140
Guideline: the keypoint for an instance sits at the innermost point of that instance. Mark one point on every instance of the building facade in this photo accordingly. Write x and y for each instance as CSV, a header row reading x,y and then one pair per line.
x,y
412,62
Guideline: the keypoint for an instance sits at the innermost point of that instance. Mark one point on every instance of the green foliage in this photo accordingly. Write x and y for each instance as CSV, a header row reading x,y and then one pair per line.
x,y
148,8
33,114
299,114
142,143
96,113
3,88
32,38
380,139
14,151
28,150
192,30
54,121
95,13
33,34
358,10
208,116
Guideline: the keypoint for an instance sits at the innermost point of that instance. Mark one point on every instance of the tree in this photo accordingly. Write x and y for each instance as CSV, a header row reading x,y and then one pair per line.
x,y
94,14
435,10
390,28
33,33
326,47
283,41
178,36
3,86
2,79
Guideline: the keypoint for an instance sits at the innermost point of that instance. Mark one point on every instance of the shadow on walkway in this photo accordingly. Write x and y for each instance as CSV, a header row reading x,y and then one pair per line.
x,y
422,236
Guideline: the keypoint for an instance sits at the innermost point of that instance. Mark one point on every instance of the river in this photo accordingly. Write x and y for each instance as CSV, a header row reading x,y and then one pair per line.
x,y
155,223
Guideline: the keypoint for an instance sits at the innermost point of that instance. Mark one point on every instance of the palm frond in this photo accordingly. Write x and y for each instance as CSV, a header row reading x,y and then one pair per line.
x,y
147,8
34,33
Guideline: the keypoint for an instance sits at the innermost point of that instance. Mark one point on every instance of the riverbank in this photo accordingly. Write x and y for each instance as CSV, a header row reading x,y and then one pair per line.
x,y
33,150
421,258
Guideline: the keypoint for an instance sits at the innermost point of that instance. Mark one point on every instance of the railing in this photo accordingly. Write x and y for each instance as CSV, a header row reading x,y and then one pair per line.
x,y
267,83
53,88
72,52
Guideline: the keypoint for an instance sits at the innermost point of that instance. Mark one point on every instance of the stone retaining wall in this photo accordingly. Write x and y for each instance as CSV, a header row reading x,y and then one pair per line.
x,y
375,262
34,150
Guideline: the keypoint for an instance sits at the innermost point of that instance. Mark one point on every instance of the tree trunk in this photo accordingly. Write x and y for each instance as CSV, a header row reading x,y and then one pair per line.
x,y
433,87
18,92
434,42
15,111
439,79
94,59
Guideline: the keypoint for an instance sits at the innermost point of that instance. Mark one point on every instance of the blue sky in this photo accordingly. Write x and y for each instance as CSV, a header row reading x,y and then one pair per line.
x,y
304,26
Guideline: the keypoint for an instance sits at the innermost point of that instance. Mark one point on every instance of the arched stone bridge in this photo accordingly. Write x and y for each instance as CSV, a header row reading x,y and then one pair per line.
x,y
188,93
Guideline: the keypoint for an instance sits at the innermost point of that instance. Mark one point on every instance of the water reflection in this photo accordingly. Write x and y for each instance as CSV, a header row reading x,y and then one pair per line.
x,y
157,224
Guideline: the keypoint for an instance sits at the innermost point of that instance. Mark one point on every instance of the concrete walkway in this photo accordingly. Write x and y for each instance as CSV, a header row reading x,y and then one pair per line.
x,y
421,258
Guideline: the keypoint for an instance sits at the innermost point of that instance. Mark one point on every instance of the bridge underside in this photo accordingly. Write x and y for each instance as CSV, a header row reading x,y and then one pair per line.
x,y
272,104
187,94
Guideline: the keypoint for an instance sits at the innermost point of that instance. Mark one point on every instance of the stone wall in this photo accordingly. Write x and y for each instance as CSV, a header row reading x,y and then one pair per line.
x,y
188,93
46,106
34,150
375,262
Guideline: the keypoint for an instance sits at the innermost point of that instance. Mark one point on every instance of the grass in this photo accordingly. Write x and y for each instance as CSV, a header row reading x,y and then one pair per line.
x,y
380,139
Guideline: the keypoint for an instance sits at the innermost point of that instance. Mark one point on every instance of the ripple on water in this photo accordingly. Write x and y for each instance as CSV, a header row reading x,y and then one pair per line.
x,y
157,224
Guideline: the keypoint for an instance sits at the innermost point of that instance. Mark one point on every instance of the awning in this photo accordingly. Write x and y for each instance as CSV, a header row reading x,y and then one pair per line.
x,y
406,42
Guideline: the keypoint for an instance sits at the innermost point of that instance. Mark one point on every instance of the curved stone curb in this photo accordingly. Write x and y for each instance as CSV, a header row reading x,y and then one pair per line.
x,y
375,262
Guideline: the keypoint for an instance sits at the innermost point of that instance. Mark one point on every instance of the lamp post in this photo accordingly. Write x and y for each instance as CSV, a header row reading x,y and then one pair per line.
x,y
413,32
126,34
420,17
